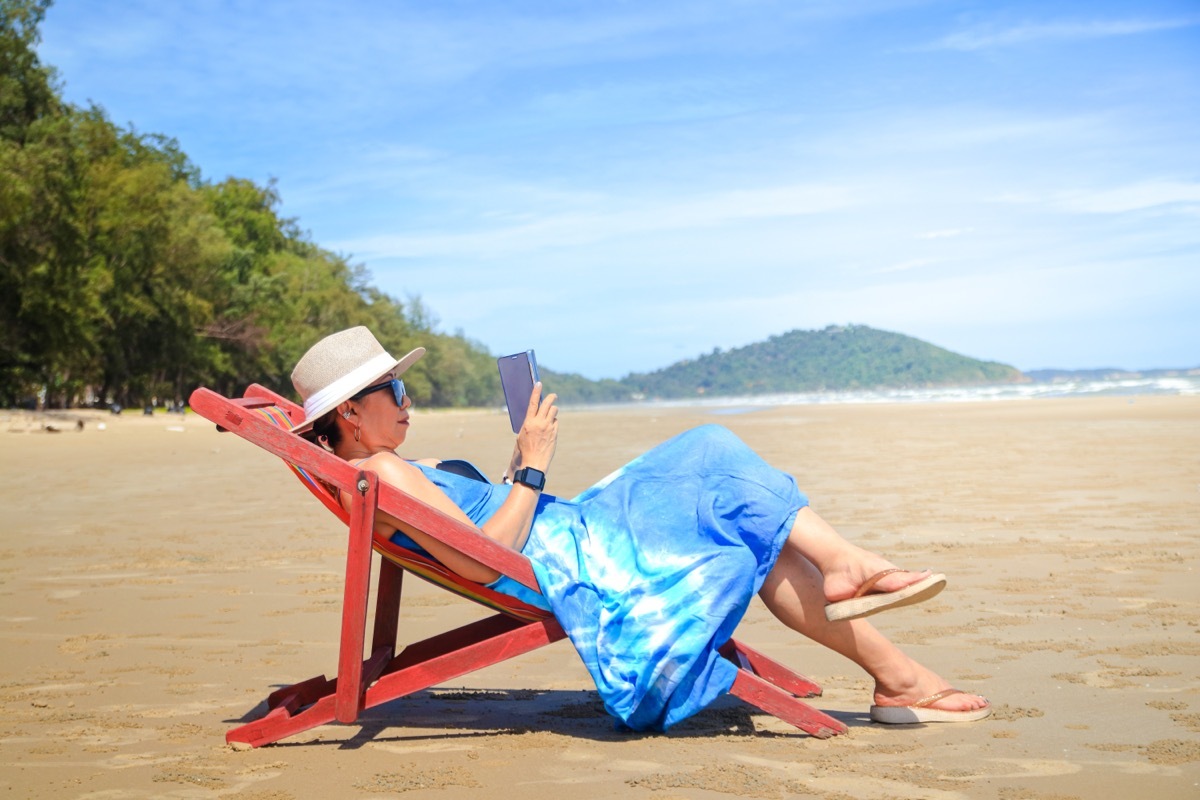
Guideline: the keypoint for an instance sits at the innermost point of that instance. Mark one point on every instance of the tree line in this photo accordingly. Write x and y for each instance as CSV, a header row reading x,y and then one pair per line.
x,y
125,277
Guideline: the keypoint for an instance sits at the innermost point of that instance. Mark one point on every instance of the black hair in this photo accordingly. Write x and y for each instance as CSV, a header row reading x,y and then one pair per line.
x,y
325,431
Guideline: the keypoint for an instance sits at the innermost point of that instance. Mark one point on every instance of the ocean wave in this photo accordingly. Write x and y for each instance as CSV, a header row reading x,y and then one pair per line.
x,y
1118,387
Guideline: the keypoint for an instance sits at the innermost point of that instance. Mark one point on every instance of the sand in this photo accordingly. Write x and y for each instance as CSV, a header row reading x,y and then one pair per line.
x,y
157,579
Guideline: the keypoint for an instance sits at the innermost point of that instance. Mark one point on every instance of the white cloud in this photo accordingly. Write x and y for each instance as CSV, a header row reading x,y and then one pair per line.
x,y
949,233
615,219
1133,197
969,126
905,266
1113,200
981,39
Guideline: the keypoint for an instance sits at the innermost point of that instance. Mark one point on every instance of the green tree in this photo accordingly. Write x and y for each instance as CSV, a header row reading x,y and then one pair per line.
x,y
47,301
249,294
28,89
149,233
125,276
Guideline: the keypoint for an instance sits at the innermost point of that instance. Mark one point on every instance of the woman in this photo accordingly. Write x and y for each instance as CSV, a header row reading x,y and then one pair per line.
x,y
650,570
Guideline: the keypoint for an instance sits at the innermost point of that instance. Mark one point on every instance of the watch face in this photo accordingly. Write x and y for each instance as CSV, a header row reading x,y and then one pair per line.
x,y
533,478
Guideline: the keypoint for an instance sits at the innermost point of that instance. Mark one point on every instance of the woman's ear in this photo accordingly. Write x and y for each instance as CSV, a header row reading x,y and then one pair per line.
x,y
346,410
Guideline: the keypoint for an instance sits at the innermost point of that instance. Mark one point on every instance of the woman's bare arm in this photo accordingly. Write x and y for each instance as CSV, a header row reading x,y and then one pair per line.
x,y
510,524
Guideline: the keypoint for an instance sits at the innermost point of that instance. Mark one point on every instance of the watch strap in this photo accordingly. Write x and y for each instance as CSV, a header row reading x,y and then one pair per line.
x,y
533,478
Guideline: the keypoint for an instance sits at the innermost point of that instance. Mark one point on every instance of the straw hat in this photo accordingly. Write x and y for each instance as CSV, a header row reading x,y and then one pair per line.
x,y
338,366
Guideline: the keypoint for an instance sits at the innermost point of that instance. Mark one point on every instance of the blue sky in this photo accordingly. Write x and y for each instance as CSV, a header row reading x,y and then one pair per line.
x,y
621,185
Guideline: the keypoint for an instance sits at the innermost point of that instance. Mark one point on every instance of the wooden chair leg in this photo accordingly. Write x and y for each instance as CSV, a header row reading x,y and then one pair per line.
x,y
769,669
350,689
435,660
455,653
389,589
766,684
784,705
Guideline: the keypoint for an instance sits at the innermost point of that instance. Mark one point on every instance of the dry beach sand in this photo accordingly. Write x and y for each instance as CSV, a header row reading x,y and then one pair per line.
x,y
157,579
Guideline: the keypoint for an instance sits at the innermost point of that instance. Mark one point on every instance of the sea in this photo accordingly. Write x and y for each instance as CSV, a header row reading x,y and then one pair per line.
x,y
1128,387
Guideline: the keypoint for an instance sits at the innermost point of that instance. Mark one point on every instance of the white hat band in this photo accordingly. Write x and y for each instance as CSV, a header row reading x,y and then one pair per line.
x,y
326,399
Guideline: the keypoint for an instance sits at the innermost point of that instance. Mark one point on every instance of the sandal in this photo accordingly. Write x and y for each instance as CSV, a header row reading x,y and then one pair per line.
x,y
920,712
864,604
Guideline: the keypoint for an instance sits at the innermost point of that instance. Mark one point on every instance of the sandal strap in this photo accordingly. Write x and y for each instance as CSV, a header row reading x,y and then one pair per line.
x,y
933,698
870,582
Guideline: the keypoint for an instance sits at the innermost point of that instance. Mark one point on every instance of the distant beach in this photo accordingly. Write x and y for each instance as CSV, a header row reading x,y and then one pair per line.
x,y
1182,384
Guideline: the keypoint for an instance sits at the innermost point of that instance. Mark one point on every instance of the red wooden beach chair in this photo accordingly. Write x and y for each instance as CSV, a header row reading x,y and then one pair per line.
x,y
263,418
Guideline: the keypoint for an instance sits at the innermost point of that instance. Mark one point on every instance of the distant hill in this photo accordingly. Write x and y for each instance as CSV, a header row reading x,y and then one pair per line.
x,y
574,388
836,358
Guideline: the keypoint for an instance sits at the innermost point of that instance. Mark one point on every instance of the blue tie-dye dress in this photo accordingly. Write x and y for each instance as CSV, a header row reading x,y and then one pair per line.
x,y
650,570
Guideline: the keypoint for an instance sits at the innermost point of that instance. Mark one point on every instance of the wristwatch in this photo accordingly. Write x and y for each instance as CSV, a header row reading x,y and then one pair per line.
x,y
533,478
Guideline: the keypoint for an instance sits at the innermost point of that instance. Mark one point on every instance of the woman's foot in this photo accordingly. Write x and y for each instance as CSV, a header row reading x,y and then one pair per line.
x,y
926,697
856,582
855,591
853,577
869,601
845,566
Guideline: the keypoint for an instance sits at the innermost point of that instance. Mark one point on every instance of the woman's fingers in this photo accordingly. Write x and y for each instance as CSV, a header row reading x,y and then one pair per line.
x,y
535,398
541,407
539,435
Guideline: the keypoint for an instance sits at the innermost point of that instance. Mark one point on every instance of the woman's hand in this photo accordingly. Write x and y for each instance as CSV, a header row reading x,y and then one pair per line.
x,y
538,438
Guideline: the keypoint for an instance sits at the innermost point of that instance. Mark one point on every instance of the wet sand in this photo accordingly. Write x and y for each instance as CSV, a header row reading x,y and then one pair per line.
x,y
158,579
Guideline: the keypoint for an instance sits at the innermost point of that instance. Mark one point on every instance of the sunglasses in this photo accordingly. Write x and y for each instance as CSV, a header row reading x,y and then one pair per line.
x,y
395,384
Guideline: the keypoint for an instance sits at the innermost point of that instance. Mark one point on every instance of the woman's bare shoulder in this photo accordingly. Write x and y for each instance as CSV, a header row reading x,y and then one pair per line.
x,y
427,462
390,466
389,457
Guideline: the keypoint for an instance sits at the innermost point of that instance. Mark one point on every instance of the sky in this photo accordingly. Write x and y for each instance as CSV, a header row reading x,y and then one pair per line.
x,y
622,185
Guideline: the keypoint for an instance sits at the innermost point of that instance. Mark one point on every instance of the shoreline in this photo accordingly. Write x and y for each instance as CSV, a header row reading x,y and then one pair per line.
x,y
1128,384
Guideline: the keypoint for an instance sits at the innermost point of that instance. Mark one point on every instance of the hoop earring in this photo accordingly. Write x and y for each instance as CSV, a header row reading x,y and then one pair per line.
x,y
357,432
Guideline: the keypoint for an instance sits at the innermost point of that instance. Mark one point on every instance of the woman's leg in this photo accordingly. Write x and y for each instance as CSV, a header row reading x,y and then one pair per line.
x,y
796,592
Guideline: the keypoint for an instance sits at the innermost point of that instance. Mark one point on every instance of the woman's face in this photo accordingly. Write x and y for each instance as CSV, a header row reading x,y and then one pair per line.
x,y
383,422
